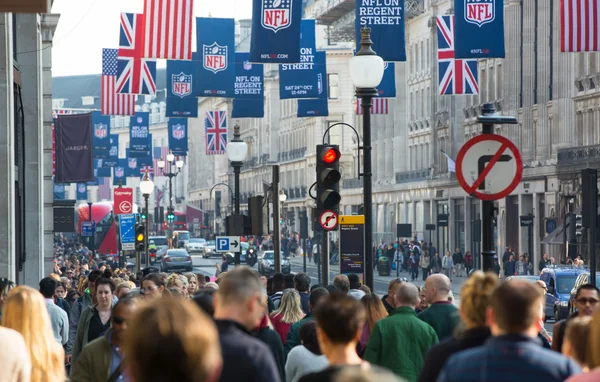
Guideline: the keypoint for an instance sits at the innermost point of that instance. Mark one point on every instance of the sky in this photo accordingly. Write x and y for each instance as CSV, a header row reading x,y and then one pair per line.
x,y
87,26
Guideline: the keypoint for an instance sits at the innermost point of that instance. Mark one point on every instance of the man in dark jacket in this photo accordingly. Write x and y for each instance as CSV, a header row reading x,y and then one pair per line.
x,y
302,285
239,307
586,303
514,353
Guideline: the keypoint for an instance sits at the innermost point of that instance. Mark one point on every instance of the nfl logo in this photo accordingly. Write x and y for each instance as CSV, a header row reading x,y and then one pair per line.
x,y
479,12
100,130
139,119
82,188
181,84
215,57
132,163
247,65
119,172
276,14
178,131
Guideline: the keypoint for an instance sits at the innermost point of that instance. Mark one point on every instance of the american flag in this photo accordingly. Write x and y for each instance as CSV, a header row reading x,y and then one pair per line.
x,y
160,152
135,74
579,25
380,106
215,123
168,29
104,192
56,112
114,103
455,76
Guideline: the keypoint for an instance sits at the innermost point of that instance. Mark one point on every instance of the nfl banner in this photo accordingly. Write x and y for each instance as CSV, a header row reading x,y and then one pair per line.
x,y
275,31
99,169
479,29
216,43
178,136
387,86
139,132
249,78
317,107
59,191
248,108
101,137
134,165
119,173
181,100
386,20
113,152
74,154
82,192
300,80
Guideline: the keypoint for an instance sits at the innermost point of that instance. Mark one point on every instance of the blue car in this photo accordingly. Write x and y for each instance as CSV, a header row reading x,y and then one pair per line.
x,y
559,280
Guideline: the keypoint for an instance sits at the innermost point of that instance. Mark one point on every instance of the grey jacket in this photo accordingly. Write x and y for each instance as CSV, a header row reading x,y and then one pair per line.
x,y
59,321
78,306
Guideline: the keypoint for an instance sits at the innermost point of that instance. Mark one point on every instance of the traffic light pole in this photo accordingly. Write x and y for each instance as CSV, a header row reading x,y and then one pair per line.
x,y
276,224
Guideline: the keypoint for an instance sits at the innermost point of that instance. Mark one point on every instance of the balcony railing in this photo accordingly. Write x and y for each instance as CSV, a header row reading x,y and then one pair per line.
x,y
285,156
329,11
412,176
579,155
414,8
352,183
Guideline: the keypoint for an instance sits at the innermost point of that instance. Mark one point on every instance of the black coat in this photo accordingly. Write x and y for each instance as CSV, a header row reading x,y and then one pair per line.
x,y
438,355
273,341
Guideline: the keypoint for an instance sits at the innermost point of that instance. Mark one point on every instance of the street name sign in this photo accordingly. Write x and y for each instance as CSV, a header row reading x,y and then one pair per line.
x,y
228,244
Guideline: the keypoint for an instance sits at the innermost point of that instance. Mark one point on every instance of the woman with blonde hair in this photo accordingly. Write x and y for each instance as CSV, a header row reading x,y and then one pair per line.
x,y
289,312
375,312
25,311
176,283
192,283
592,358
475,296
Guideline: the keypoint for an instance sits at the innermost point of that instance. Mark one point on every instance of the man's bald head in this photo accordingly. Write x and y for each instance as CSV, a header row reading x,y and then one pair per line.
x,y
407,295
437,288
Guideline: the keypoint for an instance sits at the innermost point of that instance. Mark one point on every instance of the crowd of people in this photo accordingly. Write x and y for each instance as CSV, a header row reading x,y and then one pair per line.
x,y
89,322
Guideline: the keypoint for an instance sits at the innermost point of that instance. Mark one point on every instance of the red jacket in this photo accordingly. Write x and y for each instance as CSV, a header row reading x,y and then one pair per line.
x,y
280,327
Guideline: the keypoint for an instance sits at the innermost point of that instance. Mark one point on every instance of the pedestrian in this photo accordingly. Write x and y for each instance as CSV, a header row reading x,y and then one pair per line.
x,y
317,295
424,264
152,286
239,307
204,298
102,359
400,341
307,357
458,259
375,312
422,301
413,265
544,262
264,332
192,283
475,292
59,299
521,268
25,311
506,255
388,299
289,312
278,287
435,262
591,352
442,315
513,354
468,262
587,297
16,364
448,265
174,341
366,374
316,251
510,266
355,291
302,285
58,317
342,282
576,344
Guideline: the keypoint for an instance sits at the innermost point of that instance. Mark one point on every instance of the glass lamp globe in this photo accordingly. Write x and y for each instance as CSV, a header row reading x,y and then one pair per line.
x,y
146,185
237,151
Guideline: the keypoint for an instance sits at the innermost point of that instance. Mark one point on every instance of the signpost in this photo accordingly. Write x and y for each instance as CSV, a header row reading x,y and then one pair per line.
x,y
352,244
228,244
127,231
123,200
88,228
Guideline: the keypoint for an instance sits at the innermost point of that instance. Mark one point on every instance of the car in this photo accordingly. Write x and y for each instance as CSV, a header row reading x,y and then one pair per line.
x,y
176,259
209,249
180,238
154,243
266,264
583,278
195,245
559,280
530,278
161,252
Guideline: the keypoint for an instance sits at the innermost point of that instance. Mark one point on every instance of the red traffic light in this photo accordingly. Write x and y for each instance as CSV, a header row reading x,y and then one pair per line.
x,y
330,155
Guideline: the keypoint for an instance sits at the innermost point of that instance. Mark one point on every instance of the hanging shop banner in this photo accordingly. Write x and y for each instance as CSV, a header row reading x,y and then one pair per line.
x,y
248,108
74,150
249,78
82,191
479,29
216,43
387,86
317,107
113,153
178,136
139,131
181,100
101,137
386,20
300,80
275,31
119,172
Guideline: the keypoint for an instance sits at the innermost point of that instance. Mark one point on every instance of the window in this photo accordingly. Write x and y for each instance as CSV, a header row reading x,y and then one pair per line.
x,y
333,83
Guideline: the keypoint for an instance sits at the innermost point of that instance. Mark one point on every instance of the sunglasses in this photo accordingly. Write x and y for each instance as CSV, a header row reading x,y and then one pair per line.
x,y
118,320
584,301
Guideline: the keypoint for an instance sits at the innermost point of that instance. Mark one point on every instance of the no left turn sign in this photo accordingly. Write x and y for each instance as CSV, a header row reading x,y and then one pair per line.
x,y
328,220
489,167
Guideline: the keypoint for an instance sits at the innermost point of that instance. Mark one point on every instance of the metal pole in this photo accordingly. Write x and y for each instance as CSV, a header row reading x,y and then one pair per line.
x,y
325,259
138,264
304,255
237,166
530,243
487,209
276,225
146,196
170,175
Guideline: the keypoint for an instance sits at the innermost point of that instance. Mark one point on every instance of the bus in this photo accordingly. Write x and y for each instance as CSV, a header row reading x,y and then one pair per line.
x,y
179,223
106,229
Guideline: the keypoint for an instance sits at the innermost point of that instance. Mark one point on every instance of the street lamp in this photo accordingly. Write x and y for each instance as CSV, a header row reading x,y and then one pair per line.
x,y
178,165
146,188
236,152
366,72
282,199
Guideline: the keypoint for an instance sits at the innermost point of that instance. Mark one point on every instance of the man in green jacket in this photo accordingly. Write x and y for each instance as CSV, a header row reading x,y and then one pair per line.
x,y
293,336
442,315
400,341
102,357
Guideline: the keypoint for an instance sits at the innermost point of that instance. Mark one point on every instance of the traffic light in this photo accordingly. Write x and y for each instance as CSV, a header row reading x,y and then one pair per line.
x,y
170,215
328,177
578,226
140,237
144,214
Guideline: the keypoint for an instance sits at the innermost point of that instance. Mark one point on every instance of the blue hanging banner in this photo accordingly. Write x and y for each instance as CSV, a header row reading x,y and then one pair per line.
x,y
181,100
59,191
249,78
479,29
387,87
100,170
216,45
248,108
178,136
113,152
82,191
101,134
275,31
300,80
317,107
119,172
136,166
139,132
386,20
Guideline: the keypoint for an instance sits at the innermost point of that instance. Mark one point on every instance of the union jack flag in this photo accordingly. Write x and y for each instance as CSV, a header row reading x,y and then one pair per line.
x,y
455,76
113,103
150,170
160,152
215,123
135,74
168,29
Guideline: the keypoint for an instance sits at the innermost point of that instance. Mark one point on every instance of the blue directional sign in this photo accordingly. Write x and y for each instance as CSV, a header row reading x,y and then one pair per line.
x,y
127,229
550,225
228,244
88,228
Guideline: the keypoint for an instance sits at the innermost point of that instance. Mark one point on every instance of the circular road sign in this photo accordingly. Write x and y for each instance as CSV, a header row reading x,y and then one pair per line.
x,y
125,207
328,220
489,167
